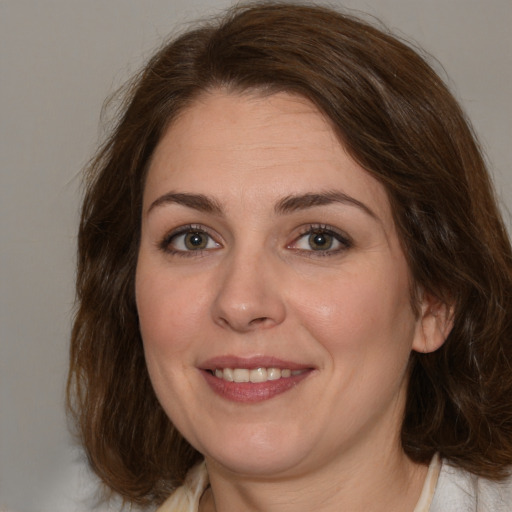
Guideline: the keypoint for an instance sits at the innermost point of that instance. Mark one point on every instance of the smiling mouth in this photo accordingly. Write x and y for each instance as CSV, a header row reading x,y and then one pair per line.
x,y
256,375
252,379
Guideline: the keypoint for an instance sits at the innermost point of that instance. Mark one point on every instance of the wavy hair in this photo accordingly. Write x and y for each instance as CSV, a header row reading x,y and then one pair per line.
x,y
398,120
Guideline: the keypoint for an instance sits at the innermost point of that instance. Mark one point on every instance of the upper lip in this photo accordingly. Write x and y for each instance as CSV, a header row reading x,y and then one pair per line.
x,y
250,363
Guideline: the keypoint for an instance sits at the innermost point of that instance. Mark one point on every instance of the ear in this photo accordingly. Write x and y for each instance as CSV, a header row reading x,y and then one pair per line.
x,y
434,323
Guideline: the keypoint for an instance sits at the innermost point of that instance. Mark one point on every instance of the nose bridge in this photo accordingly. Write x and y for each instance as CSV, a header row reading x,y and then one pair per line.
x,y
247,296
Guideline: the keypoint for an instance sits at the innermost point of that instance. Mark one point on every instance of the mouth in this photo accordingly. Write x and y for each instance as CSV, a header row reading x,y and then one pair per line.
x,y
254,375
253,379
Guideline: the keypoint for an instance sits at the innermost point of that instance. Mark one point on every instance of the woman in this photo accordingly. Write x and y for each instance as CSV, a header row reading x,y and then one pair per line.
x,y
293,281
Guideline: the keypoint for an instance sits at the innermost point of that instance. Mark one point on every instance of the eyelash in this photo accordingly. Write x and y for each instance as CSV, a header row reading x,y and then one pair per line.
x,y
312,229
165,244
322,229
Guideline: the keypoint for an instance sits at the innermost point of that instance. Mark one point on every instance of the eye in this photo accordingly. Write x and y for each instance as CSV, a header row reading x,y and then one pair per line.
x,y
321,239
188,239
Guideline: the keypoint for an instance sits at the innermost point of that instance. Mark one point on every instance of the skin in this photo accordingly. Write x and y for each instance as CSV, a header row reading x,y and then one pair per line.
x,y
259,289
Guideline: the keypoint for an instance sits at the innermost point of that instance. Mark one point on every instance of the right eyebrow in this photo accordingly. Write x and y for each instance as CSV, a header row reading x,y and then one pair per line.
x,y
196,201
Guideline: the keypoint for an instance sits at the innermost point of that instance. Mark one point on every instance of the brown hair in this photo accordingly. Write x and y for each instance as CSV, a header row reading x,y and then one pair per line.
x,y
398,120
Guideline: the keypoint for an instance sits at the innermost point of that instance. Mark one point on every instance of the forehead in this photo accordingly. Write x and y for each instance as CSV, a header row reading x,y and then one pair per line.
x,y
235,145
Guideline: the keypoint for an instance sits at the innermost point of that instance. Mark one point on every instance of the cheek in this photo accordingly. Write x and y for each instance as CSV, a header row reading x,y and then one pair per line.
x,y
169,311
365,314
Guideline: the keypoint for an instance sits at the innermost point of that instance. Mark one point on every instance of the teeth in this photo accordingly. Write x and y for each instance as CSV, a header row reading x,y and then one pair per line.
x,y
258,375
241,375
273,373
255,375
227,374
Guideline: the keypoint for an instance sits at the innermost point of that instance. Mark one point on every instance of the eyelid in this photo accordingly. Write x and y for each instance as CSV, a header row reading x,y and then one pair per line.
x,y
165,243
340,236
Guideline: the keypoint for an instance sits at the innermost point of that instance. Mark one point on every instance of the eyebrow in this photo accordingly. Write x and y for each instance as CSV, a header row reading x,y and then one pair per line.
x,y
286,205
302,202
198,202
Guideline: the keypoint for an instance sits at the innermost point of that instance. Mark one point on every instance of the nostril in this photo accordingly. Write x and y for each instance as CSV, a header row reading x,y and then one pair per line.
x,y
259,320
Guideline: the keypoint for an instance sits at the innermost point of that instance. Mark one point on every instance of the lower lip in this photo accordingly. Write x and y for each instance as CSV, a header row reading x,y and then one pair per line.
x,y
248,392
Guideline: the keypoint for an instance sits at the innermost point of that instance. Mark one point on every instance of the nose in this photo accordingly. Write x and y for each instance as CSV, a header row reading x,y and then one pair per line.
x,y
249,295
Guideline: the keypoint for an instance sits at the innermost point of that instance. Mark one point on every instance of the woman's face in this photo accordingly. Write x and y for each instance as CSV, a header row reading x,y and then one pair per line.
x,y
268,254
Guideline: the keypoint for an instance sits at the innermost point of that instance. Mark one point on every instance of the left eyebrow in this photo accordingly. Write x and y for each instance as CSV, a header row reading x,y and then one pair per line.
x,y
302,202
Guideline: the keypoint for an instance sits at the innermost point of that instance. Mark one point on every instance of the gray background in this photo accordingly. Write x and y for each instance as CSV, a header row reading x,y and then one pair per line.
x,y
59,61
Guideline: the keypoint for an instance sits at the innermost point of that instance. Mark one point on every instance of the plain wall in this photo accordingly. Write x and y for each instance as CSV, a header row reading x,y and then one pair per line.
x,y
59,60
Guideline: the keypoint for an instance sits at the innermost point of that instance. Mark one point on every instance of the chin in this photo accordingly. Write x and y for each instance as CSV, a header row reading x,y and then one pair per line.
x,y
266,465
261,451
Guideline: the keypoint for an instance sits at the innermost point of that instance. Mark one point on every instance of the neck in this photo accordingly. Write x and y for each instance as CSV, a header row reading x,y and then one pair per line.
x,y
385,482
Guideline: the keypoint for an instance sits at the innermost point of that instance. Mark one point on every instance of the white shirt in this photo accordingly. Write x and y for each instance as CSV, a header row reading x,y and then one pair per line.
x,y
446,489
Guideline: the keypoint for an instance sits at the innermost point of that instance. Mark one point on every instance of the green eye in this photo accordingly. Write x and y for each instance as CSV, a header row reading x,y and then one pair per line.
x,y
188,239
194,241
320,241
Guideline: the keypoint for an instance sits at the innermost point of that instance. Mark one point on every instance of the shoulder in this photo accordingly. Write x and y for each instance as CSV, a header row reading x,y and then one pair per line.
x,y
186,498
458,490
